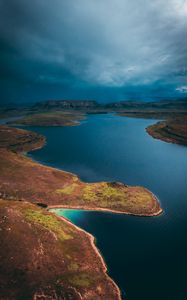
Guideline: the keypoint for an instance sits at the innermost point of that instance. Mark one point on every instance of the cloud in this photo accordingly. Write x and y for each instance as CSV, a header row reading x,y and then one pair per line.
x,y
182,89
100,43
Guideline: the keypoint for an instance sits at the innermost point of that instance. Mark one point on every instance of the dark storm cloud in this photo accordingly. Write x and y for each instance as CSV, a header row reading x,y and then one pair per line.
x,y
81,48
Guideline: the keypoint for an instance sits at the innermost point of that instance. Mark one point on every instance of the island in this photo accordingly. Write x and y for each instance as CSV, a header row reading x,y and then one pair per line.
x,y
51,257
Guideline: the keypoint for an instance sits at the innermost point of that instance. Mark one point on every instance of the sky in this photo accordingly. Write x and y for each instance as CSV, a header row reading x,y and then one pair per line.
x,y
105,50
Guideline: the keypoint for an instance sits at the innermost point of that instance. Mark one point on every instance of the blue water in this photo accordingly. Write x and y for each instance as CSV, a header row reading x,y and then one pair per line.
x,y
147,257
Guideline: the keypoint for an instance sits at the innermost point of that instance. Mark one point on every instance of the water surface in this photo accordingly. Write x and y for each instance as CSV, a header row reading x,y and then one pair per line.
x,y
145,256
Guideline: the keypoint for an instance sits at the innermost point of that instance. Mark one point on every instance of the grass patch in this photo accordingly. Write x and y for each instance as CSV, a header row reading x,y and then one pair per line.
x,y
49,222
107,196
89,193
108,192
102,193
67,190
142,199
75,178
81,280
73,267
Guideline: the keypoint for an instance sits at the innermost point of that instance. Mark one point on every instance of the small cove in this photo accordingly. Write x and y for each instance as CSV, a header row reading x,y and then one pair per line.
x,y
145,256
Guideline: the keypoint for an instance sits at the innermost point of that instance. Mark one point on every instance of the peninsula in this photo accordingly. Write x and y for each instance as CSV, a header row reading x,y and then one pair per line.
x,y
58,188
52,257
54,118
71,112
171,131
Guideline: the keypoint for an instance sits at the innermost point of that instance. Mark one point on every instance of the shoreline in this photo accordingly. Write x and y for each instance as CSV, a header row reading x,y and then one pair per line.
x,y
91,237
87,208
170,131
96,250
40,143
105,210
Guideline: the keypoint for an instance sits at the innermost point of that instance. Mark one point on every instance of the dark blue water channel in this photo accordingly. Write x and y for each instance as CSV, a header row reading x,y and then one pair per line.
x,y
147,257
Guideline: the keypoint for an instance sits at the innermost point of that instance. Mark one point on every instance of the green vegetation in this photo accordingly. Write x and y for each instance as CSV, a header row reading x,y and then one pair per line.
x,y
56,187
53,258
75,178
49,222
89,193
73,267
67,190
108,191
104,194
107,196
81,280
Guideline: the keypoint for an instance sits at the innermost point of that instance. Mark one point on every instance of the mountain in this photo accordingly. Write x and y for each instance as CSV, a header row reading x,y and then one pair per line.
x,y
165,104
66,104
89,105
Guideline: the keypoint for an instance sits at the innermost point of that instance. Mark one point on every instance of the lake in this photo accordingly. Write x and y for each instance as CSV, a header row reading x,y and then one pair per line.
x,y
147,257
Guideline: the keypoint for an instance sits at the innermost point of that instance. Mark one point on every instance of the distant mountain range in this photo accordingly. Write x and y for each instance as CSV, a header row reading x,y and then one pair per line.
x,y
115,106
66,104
153,109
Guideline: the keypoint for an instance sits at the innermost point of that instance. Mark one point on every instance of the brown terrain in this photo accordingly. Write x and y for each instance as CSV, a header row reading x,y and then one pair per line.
x,y
51,119
44,256
71,112
154,114
171,131
23,179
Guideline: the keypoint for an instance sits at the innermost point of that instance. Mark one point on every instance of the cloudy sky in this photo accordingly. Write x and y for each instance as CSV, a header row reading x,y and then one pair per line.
x,y
93,49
